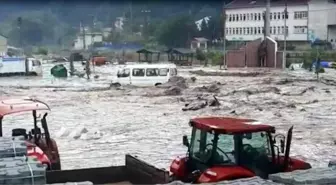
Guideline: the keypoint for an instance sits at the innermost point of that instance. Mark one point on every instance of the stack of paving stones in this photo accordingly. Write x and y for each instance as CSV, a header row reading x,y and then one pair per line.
x,y
248,181
244,181
22,170
74,183
314,176
12,147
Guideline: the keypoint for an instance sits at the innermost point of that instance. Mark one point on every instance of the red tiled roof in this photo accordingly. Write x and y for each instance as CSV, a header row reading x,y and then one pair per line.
x,y
262,3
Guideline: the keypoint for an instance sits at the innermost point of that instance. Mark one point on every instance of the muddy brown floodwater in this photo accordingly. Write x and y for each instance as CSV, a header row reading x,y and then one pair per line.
x,y
97,127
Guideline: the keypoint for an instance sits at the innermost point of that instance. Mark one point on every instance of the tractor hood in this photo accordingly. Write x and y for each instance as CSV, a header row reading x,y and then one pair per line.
x,y
220,173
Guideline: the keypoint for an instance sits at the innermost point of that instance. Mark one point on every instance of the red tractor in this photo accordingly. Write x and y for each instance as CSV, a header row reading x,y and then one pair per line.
x,y
39,144
223,148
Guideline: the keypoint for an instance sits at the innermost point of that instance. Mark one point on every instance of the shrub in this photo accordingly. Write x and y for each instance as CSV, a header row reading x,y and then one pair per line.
x,y
42,51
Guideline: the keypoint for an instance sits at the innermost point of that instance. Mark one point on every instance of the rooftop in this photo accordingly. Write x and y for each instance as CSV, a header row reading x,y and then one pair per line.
x,y
16,105
236,4
228,125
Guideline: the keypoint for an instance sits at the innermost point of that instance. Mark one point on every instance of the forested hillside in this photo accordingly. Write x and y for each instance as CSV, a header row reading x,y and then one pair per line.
x,y
55,23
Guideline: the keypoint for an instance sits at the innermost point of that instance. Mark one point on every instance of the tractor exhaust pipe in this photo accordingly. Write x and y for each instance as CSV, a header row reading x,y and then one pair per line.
x,y
288,145
46,130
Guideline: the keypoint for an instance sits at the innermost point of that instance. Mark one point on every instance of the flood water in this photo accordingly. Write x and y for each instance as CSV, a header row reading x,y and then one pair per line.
x,y
95,128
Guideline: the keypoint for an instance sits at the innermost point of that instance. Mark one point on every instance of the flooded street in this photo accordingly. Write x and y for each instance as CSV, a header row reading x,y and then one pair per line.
x,y
96,127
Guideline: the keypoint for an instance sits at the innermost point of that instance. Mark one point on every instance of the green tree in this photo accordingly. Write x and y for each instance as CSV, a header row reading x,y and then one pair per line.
x,y
176,32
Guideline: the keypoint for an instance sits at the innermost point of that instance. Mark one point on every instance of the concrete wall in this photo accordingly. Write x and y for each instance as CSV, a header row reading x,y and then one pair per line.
x,y
3,45
279,58
252,57
272,47
235,58
248,55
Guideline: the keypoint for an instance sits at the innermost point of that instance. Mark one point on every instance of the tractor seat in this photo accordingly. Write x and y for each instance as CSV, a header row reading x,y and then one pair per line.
x,y
19,132
36,131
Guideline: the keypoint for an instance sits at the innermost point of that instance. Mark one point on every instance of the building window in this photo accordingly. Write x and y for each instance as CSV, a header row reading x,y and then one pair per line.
x,y
286,30
283,15
244,31
279,30
244,17
282,30
226,31
271,16
259,31
274,15
259,16
240,17
271,30
248,16
279,15
301,15
247,31
230,31
230,18
300,29
240,31
251,16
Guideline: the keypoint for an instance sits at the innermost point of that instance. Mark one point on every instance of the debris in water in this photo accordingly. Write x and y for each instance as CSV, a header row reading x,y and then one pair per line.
x,y
213,88
178,81
173,91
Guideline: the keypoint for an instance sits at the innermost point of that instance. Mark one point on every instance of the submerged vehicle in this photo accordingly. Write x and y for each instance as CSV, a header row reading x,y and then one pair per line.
x,y
39,144
13,66
224,148
145,74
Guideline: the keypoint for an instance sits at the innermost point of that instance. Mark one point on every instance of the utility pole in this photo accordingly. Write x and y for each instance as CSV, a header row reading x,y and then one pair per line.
x,y
131,16
267,16
19,22
224,37
83,30
146,13
285,37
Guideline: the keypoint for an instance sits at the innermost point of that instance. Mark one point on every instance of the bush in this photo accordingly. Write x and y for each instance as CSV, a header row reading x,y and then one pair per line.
x,y
200,55
215,57
42,51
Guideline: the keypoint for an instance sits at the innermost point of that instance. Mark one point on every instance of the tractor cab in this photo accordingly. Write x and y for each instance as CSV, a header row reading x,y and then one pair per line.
x,y
222,148
39,143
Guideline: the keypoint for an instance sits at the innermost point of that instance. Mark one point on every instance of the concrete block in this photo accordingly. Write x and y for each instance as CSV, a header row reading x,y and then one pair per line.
x,y
22,170
12,147
322,176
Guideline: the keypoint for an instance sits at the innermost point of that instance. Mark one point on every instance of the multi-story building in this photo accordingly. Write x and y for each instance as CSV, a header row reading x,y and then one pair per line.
x,y
245,20
322,20
307,20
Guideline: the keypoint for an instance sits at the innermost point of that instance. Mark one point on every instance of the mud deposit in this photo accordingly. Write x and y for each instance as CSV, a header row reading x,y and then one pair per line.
x,y
95,125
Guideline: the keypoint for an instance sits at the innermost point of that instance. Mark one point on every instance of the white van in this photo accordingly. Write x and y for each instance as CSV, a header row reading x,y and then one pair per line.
x,y
12,66
145,74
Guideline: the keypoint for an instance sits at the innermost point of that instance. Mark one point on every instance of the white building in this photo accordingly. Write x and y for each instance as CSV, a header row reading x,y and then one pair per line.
x,y
322,20
3,45
245,20
90,39
199,43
